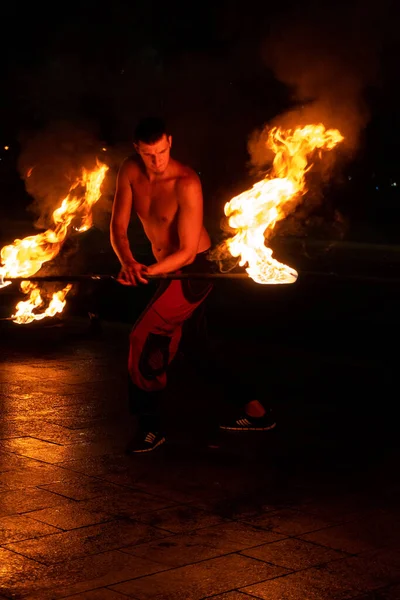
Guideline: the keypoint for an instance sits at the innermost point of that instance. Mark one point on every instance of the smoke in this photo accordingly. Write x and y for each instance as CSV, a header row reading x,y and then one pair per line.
x,y
327,56
51,160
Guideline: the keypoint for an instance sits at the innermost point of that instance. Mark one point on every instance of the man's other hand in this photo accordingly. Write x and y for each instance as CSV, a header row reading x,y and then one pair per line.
x,y
132,274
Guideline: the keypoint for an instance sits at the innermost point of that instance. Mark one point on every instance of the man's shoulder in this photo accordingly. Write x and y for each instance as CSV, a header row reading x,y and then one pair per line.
x,y
130,165
188,184
185,174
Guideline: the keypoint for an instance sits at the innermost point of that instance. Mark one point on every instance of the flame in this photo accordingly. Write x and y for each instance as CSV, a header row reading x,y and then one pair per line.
x,y
254,213
25,257
25,309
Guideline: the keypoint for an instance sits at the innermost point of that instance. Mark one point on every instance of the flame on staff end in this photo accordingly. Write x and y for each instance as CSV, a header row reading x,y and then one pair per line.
x,y
25,257
253,214
24,309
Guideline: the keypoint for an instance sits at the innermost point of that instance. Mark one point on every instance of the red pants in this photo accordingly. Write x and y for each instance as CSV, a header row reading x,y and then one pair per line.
x,y
155,337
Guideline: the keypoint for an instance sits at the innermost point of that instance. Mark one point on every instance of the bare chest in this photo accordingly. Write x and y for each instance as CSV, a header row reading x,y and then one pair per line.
x,y
155,203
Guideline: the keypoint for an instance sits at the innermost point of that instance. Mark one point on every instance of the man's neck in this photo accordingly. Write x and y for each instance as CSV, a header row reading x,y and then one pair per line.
x,y
154,177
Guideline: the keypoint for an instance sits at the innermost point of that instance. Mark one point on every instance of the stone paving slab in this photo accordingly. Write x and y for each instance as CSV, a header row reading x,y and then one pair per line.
x,y
41,582
83,541
69,516
180,518
289,521
199,580
37,474
208,542
232,596
30,498
372,531
296,515
103,594
82,488
294,554
313,584
17,528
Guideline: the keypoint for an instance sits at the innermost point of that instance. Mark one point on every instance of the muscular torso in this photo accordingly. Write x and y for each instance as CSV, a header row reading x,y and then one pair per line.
x,y
157,205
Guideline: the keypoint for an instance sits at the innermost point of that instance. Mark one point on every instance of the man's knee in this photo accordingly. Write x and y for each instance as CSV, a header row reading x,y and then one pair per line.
x,y
149,353
154,357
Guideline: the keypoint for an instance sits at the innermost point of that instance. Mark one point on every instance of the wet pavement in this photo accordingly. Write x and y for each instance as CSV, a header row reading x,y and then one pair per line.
x,y
309,511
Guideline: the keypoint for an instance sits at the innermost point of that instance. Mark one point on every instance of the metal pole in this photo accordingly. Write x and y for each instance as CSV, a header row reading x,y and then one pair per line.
x,y
83,278
205,276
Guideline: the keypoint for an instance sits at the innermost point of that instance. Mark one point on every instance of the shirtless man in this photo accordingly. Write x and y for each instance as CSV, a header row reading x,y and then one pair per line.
x,y
167,197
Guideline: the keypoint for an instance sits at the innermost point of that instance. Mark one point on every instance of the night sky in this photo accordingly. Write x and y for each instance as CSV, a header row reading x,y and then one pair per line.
x,y
77,76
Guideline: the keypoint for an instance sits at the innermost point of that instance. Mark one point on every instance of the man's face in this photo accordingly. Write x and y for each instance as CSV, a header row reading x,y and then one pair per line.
x,y
155,156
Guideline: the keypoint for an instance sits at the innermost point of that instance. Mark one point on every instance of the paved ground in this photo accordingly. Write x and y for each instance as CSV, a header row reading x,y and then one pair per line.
x,y
309,511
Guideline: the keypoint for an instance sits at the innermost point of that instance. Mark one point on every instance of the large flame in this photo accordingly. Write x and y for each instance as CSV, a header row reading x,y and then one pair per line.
x,y
254,213
25,257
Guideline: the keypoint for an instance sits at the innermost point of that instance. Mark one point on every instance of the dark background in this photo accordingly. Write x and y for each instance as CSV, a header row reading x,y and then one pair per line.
x,y
77,76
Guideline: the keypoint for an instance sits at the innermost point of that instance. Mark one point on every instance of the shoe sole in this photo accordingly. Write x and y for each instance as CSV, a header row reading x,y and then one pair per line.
x,y
148,449
228,428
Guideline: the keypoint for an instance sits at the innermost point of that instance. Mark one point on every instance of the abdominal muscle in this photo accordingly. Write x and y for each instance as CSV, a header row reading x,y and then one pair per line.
x,y
165,241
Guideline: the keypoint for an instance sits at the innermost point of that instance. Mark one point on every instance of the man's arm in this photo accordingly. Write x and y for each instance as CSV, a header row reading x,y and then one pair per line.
x,y
190,223
120,217
132,271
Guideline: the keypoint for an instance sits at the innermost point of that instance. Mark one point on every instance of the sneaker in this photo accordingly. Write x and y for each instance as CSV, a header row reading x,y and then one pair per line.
x,y
247,423
145,441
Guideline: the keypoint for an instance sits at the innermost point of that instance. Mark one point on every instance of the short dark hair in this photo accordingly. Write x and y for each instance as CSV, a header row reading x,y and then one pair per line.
x,y
149,130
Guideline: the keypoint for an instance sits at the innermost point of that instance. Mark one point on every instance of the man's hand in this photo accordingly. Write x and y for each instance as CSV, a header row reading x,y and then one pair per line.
x,y
133,273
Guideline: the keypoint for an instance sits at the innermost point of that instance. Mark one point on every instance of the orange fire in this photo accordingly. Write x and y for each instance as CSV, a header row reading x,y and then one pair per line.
x,y
25,257
254,213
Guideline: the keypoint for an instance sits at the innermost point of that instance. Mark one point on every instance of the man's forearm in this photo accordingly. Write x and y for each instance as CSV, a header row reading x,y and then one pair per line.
x,y
171,263
121,246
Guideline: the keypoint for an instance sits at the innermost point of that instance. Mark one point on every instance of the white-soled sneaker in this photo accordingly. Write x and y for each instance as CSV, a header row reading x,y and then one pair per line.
x,y
145,441
247,423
